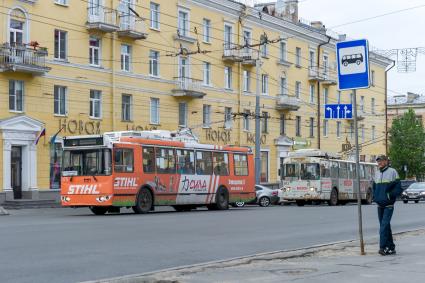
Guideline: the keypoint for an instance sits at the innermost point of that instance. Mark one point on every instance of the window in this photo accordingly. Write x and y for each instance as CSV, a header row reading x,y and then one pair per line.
x,y
297,89
311,127
283,86
325,95
312,91
221,163
185,161
325,128
362,127
228,36
154,63
283,51
182,114
183,23
207,73
311,59
247,41
228,117
246,116
148,160
298,126
362,103
264,176
373,133
154,110
282,124
123,160
126,107
246,81
16,28
298,57
60,103
95,103
16,95
240,162
264,47
338,97
343,172
372,78
184,71
264,123
125,57
204,163
372,105
165,161
62,2
94,51
264,84
228,77
338,129
60,44
207,30
206,120
155,16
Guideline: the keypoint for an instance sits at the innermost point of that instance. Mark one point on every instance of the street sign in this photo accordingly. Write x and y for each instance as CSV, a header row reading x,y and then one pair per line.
x,y
338,111
353,64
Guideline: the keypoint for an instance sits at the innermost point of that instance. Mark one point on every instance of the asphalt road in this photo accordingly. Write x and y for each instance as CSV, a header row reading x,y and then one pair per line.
x,y
67,245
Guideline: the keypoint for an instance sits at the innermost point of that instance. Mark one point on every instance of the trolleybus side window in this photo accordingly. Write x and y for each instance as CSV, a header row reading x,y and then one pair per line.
x,y
362,172
204,163
185,161
240,164
325,170
291,170
148,160
310,171
343,174
124,160
165,161
334,169
221,163
351,170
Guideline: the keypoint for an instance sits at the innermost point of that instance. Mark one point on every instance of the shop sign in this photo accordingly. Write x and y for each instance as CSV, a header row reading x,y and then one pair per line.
x,y
250,138
300,143
132,127
217,135
73,126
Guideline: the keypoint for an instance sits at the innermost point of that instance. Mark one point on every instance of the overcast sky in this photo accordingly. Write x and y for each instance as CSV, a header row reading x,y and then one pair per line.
x,y
401,30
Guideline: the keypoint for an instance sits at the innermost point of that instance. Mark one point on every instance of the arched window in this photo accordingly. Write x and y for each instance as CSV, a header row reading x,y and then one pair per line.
x,y
17,27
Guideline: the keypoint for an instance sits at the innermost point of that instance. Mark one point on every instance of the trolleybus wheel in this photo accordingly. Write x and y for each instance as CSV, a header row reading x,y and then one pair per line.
x,y
222,199
300,202
99,210
334,198
144,202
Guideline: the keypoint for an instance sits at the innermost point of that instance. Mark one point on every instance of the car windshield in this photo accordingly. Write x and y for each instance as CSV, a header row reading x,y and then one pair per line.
x,y
87,162
310,171
417,186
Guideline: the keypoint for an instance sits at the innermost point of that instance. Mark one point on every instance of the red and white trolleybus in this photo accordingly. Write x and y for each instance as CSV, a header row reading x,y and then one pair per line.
x,y
149,168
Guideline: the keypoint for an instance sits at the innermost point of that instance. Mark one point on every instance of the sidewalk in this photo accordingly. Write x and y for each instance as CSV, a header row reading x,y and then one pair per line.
x,y
339,262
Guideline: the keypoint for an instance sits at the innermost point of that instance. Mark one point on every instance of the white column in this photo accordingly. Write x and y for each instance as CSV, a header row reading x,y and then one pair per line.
x,y
7,157
32,155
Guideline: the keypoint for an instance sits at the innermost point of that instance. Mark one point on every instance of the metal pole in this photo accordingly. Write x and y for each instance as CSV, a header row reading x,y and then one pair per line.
x,y
257,123
357,189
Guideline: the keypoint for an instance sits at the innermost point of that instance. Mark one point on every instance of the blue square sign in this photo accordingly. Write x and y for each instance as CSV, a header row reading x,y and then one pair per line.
x,y
338,111
353,64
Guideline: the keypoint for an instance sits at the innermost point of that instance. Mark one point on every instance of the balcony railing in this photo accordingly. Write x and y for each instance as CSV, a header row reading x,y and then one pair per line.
x,y
326,75
20,58
131,27
248,59
188,87
286,102
102,19
232,52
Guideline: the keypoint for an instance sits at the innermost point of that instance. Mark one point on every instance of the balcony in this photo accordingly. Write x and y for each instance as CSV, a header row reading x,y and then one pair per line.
x,y
360,115
286,102
322,74
248,59
20,58
184,35
132,28
188,88
329,76
102,19
314,73
232,53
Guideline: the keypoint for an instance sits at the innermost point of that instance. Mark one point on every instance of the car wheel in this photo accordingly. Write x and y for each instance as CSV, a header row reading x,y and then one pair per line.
x,y
264,201
358,62
345,64
416,201
405,201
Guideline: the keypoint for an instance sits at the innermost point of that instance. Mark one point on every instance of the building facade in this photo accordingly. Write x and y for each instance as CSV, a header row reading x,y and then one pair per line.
x,y
400,104
79,67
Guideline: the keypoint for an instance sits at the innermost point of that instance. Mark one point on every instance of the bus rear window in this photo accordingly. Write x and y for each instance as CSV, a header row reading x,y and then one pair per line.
x,y
241,164
124,160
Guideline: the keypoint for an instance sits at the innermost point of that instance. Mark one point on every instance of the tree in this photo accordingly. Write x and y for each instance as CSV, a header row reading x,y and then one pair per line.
x,y
407,145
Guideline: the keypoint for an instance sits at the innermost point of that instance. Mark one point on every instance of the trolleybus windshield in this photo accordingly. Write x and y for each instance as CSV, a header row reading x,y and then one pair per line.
x,y
87,162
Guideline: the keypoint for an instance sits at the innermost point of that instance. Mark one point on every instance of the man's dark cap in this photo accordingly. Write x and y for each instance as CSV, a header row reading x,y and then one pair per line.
x,y
381,157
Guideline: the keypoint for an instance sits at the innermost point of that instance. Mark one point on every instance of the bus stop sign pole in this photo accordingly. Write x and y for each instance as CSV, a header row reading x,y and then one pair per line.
x,y
353,73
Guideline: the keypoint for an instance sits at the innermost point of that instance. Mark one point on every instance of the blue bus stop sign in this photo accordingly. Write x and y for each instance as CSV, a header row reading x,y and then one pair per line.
x,y
353,64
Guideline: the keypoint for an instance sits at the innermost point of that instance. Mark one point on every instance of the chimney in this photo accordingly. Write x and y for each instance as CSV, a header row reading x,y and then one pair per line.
x,y
411,97
291,10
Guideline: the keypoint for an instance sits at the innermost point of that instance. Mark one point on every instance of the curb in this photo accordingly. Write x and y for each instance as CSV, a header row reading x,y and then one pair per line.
x,y
3,211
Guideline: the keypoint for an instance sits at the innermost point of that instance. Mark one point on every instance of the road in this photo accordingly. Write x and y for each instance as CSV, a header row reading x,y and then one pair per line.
x,y
72,245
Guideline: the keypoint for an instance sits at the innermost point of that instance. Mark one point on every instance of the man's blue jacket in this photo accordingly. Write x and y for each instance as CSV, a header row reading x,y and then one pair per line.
x,y
386,186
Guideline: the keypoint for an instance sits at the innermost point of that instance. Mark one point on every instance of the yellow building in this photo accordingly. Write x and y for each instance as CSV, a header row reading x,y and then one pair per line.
x,y
77,67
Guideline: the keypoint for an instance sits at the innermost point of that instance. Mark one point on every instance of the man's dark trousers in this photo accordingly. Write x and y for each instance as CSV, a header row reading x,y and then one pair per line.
x,y
385,234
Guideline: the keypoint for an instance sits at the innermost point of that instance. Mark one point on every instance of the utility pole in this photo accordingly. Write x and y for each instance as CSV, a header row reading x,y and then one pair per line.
x,y
257,121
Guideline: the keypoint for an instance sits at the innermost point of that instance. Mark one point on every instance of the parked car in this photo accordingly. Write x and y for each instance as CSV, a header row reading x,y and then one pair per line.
x,y
406,183
264,197
415,192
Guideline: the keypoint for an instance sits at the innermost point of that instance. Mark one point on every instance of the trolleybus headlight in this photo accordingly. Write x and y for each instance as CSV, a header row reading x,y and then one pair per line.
x,y
103,198
312,189
65,199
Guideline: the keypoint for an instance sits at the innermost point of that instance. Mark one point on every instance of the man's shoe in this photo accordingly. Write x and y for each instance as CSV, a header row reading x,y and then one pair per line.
x,y
382,252
390,251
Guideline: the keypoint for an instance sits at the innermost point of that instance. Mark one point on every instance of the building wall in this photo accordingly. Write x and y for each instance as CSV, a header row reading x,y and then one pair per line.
x,y
79,77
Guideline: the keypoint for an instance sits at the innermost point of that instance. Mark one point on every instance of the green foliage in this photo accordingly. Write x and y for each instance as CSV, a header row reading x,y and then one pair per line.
x,y
407,145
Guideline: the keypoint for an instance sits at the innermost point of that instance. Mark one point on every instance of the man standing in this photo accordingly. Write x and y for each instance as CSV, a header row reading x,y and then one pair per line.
x,y
386,188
